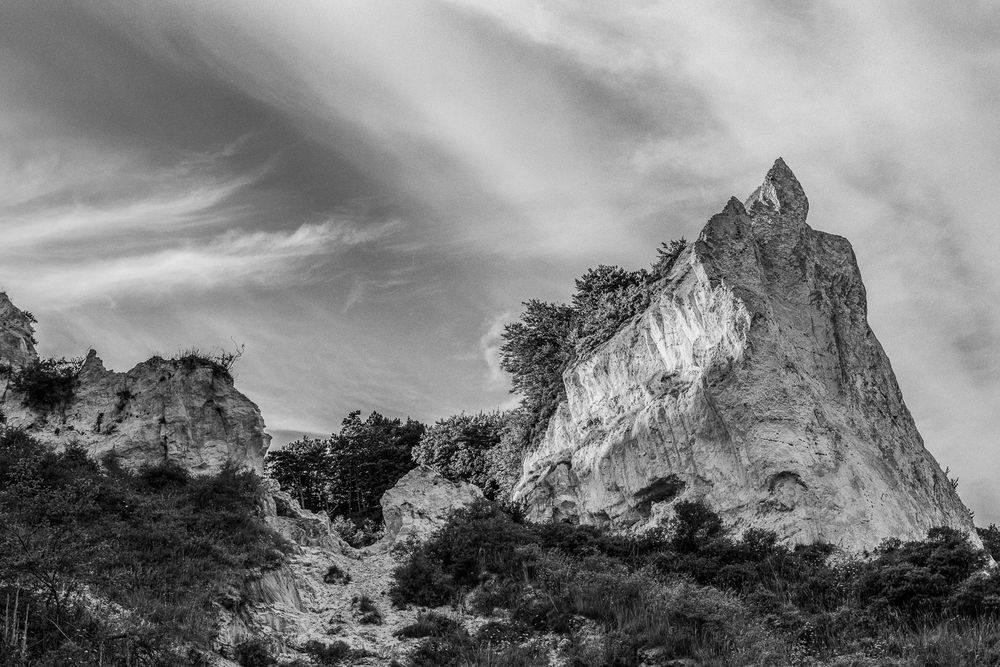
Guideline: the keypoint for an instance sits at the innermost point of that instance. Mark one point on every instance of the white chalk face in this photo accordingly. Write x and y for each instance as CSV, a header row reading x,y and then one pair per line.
x,y
364,193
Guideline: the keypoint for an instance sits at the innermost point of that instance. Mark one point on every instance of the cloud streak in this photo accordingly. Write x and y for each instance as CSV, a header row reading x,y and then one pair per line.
x,y
232,260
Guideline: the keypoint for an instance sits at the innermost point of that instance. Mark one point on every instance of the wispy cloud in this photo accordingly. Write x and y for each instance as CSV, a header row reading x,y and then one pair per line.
x,y
232,260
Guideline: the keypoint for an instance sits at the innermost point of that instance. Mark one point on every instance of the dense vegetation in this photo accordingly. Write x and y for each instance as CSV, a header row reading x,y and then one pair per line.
x,y
549,337
346,474
692,592
102,566
484,449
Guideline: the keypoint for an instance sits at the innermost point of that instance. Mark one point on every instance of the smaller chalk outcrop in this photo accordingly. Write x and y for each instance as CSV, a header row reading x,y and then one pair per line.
x,y
420,503
297,525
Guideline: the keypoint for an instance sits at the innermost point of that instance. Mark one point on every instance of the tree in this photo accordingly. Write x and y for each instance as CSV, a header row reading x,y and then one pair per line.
x,y
535,352
347,473
606,298
667,255
483,449
367,458
302,468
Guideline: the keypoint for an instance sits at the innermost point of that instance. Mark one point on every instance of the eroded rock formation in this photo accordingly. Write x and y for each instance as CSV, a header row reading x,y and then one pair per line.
x,y
17,334
182,410
753,381
420,503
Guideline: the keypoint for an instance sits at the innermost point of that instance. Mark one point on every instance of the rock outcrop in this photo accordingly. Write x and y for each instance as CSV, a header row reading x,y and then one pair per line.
x,y
17,334
420,503
182,410
752,381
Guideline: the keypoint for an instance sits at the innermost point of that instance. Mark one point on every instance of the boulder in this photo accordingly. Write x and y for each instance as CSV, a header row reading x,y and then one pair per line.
x,y
420,503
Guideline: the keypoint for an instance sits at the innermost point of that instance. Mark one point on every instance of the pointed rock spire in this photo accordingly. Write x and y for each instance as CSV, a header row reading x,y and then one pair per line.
x,y
780,193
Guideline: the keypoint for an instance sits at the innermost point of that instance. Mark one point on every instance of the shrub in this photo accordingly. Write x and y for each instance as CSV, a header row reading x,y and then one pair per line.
x,y
335,575
549,337
429,624
695,525
337,653
920,576
47,384
421,580
221,362
254,653
991,540
368,613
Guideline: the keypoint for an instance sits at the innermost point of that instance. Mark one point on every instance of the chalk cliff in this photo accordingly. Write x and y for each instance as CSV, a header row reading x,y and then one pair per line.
x,y
752,381
180,410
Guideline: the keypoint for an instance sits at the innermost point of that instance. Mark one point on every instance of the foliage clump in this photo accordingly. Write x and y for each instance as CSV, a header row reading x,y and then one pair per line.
x,y
47,384
220,361
694,592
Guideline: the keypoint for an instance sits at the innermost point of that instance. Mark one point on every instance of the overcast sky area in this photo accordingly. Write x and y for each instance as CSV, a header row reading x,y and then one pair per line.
x,y
364,192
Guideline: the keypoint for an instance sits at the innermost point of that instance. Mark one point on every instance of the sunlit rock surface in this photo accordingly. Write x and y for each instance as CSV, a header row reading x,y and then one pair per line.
x,y
752,381
420,503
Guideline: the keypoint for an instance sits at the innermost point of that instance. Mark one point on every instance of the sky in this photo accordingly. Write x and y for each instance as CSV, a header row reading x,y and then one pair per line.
x,y
363,192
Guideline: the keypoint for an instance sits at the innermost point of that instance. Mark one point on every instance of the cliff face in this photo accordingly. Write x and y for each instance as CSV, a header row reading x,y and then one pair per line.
x,y
753,381
17,341
184,411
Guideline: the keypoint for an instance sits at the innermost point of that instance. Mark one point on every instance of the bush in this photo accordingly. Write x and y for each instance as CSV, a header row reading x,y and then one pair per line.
x,y
606,298
430,624
667,255
368,613
337,653
254,653
921,576
549,337
166,549
47,384
221,362
334,575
